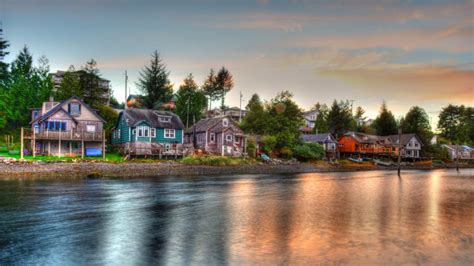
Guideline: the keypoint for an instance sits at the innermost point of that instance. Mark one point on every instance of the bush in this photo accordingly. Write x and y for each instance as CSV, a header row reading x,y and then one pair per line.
x,y
308,151
269,143
437,152
251,149
286,152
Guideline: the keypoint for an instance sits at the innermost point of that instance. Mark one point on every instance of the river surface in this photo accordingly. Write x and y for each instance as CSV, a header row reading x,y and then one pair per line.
x,y
426,217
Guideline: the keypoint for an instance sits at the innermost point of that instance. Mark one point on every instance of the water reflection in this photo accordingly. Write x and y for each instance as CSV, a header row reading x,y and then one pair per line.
x,y
362,218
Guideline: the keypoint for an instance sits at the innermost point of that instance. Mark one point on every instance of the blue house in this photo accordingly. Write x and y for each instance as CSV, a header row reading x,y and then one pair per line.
x,y
148,132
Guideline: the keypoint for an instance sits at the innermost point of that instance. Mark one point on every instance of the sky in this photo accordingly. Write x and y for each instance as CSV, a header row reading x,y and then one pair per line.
x,y
403,52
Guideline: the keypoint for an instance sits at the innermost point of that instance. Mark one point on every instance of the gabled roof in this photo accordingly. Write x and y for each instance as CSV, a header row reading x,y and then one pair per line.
x,y
206,124
58,108
134,116
405,138
322,138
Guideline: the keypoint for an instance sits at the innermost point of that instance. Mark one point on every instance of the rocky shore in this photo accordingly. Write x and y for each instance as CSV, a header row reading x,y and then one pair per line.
x,y
22,171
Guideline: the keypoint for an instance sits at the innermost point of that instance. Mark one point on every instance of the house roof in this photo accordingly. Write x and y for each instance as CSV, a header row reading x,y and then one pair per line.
x,y
325,137
134,117
460,147
58,108
405,138
205,124
366,138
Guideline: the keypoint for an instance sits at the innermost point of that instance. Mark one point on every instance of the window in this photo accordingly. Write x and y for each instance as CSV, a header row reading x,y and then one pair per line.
x,y
228,138
35,114
170,133
147,132
140,131
153,132
118,133
225,122
167,147
74,109
90,128
165,119
212,137
56,126
134,131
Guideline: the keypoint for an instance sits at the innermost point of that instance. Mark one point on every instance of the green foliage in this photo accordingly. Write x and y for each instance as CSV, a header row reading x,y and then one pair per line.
x,y
89,79
308,151
154,83
215,161
286,152
436,152
251,148
321,123
110,116
190,102
224,83
210,88
255,120
27,87
456,123
284,119
417,121
115,104
269,144
70,86
340,119
3,66
385,124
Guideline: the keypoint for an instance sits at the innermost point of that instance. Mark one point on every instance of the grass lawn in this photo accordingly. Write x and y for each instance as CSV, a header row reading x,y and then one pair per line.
x,y
109,157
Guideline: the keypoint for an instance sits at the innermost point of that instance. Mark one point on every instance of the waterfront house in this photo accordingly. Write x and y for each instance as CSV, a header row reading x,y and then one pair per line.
x,y
327,140
411,145
356,143
217,135
67,128
464,152
234,113
310,120
148,132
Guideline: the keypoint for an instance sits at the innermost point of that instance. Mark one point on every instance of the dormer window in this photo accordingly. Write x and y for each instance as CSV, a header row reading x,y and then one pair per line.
x,y
225,122
74,109
164,119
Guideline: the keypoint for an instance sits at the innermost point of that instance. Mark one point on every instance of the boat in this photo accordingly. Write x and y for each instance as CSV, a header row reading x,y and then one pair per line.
x,y
384,163
358,160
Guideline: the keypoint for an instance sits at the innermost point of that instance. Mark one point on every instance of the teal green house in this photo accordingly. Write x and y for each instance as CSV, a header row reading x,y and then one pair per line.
x,y
148,132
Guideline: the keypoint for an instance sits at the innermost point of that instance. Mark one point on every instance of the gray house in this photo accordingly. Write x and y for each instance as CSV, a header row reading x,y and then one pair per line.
x,y
464,152
411,145
326,140
217,135
67,128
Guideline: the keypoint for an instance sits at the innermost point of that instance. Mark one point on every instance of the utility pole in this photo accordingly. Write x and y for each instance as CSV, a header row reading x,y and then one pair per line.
x,y
240,108
352,105
126,81
399,150
457,158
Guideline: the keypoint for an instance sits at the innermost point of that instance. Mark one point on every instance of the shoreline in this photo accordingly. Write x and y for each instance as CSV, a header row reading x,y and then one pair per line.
x,y
67,171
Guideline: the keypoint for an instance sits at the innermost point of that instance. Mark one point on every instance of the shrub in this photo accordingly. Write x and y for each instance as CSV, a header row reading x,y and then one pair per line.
x,y
214,161
251,149
286,152
308,151
269,143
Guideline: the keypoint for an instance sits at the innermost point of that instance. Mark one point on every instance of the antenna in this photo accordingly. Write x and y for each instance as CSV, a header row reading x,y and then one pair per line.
x,y
126,80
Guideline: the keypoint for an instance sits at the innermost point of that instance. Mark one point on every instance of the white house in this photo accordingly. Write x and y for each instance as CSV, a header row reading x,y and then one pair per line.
x,y
411,145
463,151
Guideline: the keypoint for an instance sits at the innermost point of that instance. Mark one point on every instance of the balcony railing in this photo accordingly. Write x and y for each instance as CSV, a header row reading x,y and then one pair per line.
x,y
64,135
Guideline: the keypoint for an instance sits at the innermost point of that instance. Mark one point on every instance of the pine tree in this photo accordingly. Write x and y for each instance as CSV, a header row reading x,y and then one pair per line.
x,y
3,66
23,64
190,102
385,124
255,120
70,85
340,119
154,83
321,124
210,87
89,79
224,83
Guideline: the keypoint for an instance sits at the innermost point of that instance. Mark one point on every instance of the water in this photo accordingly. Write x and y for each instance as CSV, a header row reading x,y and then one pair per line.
x,y
358,218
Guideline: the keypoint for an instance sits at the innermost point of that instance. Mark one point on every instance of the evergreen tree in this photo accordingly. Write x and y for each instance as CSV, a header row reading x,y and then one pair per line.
x,y
361,120
321,123
224,83
417,121
210,87
155,84
22,66
3,65
340,118
190,102
456,124
255,120
70,85
89,79
284,120
385,124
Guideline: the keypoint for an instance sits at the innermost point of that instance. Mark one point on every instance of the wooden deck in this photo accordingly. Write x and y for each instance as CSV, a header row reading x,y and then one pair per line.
x,y
70,135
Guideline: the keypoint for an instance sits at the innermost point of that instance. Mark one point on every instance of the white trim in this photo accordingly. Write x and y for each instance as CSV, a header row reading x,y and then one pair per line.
x,y
153,132
227,139
171,133
212,137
